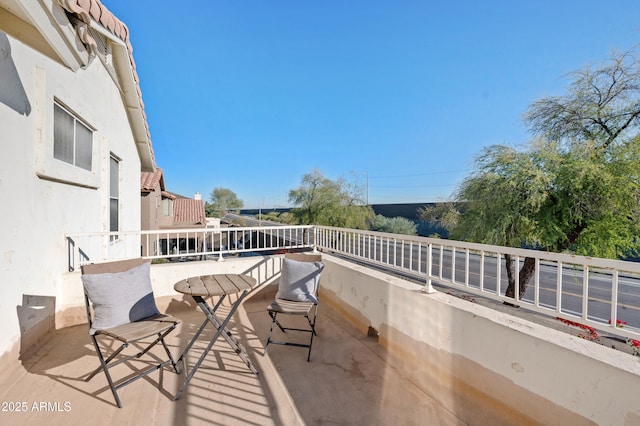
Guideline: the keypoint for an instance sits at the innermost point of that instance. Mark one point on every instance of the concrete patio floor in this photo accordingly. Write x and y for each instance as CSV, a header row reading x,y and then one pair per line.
x,y
347,381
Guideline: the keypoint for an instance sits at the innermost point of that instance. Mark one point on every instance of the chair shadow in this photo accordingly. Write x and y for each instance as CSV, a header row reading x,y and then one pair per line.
x,y
68,357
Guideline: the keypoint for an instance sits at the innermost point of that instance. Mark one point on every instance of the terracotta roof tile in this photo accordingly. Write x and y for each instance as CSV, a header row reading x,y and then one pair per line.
x,y
93,8
188,211
149,180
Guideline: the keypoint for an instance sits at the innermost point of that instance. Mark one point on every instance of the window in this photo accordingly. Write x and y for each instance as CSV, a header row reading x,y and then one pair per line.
x,y
114,190
72,139
166,206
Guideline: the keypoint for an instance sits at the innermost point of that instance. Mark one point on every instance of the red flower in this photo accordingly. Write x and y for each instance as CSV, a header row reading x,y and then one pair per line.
x,y
619,323
593,333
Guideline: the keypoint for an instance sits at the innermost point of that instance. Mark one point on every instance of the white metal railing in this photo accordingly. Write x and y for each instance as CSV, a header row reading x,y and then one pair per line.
x,y
185,244
601,293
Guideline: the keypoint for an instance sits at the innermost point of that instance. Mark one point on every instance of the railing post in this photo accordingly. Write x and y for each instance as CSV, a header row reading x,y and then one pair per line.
x,y
516,294
614,299
428,288
481,277
315,238
559,287
220,258
498,274
585,290
453,264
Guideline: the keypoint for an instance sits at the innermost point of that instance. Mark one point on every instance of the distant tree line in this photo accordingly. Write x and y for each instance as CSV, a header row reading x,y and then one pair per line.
x,y
320,201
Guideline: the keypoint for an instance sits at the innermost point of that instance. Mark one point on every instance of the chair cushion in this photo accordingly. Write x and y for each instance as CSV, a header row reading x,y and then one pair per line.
x,y
299,280
120,298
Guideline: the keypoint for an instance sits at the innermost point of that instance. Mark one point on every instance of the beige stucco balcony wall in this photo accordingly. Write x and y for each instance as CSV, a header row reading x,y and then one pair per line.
x,y
472,357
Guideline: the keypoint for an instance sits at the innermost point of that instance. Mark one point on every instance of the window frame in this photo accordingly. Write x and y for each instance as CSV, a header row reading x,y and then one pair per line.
x,y
72,155
114,193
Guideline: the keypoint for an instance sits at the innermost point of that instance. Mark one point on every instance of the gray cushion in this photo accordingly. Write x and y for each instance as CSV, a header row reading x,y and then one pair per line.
x,y
120,298
299,280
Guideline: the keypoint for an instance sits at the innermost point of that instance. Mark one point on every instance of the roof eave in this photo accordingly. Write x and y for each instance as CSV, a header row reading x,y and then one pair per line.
x,y
62,38
133,103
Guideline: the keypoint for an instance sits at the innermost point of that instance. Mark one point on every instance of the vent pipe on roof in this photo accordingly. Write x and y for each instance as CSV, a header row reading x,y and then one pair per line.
x,y
197,196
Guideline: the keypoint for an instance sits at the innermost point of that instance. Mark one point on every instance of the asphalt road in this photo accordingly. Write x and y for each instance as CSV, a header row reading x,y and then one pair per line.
x,y
600,283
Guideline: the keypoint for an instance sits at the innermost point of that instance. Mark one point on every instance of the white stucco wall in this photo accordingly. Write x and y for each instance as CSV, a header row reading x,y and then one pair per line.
x,y
37,210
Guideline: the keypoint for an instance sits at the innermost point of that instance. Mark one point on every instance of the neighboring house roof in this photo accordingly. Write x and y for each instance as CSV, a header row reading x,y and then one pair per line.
x,y
167,194
73,32
149,181
188,211
174,196
179,195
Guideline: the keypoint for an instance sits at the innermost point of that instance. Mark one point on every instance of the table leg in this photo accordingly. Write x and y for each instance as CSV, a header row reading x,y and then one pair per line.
x,y
183,356
221,330
200,303
228,336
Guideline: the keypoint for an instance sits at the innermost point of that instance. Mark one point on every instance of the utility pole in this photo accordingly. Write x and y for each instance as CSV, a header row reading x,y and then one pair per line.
x,y
367,185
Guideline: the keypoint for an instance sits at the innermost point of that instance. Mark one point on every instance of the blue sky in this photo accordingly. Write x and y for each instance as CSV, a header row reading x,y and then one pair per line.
x,y
398,96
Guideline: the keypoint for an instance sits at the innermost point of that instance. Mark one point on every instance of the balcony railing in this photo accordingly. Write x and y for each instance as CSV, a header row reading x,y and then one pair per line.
x,y
185,244
601,293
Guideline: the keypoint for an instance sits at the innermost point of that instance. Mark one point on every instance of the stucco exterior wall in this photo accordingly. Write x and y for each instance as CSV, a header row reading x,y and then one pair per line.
x,y
165,221
148,216
39,207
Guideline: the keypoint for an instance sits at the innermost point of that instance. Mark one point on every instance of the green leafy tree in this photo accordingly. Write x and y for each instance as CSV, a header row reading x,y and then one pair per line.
x,y
272,216
442,215
393,225
209,211
223,201
322,201
575,188
601,106
286,217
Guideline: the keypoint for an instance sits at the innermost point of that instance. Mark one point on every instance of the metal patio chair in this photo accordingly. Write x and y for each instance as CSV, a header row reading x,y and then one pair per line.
x,y
297,296
121,312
